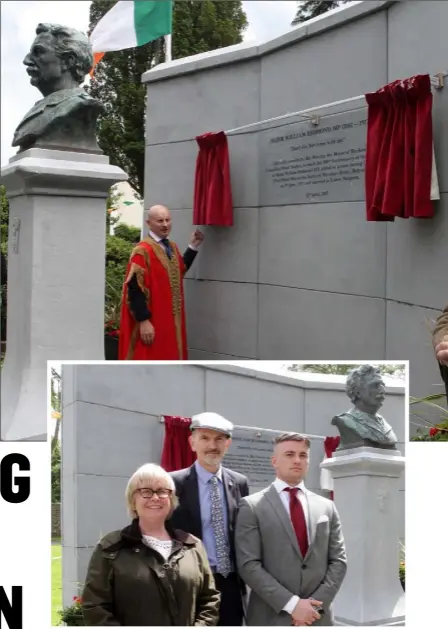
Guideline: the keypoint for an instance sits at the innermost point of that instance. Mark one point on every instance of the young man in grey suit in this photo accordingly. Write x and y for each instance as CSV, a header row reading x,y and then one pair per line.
x,y
289,544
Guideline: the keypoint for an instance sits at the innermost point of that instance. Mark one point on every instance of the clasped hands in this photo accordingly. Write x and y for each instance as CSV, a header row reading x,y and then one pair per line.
x,y
442,350
304,613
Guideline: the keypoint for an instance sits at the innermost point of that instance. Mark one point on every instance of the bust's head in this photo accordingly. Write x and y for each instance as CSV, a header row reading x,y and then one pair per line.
x,y
59,58
366,389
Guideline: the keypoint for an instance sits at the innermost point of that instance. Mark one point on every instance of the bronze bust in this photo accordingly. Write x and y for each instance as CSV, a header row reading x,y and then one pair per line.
x,y
361,425
65,119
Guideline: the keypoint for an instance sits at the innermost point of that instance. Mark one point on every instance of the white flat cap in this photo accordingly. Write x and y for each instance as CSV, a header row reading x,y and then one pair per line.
x,y
212,421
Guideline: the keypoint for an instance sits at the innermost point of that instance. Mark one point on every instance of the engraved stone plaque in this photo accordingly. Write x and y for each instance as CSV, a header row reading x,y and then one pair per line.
x,y
322,164
250,454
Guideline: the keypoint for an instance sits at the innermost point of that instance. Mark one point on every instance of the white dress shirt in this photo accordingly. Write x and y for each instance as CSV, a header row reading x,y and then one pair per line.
x,y
280,486
159,238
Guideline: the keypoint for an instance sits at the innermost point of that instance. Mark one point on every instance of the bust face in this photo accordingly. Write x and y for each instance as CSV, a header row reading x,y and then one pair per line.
x,y
372,392
43,64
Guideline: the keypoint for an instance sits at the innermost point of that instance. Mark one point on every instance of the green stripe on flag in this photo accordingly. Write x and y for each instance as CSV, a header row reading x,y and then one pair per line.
x,y
152,20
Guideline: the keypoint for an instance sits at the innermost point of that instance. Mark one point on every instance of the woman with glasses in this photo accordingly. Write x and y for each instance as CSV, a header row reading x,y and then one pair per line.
x,y
149,573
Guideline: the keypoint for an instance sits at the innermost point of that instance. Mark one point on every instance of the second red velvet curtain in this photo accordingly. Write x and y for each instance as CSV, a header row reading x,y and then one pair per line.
x,y
399,150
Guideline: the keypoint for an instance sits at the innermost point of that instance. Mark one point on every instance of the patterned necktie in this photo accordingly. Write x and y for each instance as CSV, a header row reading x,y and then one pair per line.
x,y
224,565
298,519
167,246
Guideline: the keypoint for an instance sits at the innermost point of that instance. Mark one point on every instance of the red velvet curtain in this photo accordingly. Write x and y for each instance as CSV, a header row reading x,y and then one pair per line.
x,y
176,452
212,191
399,150
330,445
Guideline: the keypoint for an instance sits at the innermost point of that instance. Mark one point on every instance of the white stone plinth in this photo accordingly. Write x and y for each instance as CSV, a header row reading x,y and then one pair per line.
x,y
366,494
56,267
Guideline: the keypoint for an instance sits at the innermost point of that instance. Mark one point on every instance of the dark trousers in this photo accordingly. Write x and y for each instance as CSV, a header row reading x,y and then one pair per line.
x,y
231,609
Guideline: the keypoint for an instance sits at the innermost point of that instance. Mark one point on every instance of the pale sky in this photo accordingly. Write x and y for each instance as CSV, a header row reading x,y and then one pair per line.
x,y
20,18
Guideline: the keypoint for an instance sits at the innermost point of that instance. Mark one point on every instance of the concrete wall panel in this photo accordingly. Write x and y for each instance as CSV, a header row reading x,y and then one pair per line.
x,y
230,254
222,316
417,41
102,497
138,439
104,385
169,174
417,259
324,247
212,100
326,68
277,406
310,325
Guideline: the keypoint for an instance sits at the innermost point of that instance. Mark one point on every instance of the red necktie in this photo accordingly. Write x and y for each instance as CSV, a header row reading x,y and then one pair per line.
x,y
298,519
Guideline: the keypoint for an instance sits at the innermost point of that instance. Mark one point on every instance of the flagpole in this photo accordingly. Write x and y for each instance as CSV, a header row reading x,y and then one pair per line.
x,y
168,48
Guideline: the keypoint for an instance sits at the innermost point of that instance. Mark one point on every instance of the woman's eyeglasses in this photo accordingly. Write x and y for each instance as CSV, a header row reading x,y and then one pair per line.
x,y
145,492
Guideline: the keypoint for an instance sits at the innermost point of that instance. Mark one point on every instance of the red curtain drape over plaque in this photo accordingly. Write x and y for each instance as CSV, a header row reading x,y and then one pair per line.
x,y
212,191
176,452
399,150
330,445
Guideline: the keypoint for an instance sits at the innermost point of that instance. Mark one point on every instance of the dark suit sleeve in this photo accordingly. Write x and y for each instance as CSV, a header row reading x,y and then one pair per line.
x,y
137,301
176,519
244,488
189,257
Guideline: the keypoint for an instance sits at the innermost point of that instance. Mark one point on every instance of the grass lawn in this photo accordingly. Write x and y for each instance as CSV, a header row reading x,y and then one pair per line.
x,y
56,583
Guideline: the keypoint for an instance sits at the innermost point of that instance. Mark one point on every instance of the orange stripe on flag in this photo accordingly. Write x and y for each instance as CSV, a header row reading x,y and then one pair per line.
x,y
97,56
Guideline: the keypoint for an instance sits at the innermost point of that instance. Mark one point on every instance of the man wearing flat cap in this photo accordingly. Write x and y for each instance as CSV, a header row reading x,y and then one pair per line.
x,y
209,495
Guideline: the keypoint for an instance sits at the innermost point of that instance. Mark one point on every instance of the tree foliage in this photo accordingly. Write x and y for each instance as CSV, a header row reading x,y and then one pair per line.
x,y
56,473
395,370
112,204
197,27
118,251
127,232
55,400
312,8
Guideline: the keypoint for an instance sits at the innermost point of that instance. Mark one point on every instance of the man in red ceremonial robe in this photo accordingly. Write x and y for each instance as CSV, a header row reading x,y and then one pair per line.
x,y
152,323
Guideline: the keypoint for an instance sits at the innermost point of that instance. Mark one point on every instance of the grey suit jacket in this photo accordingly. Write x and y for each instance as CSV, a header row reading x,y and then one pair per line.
x,y
270,562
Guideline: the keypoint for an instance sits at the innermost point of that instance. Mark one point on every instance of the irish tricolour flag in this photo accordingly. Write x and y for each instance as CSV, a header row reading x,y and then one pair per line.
x,y
131,24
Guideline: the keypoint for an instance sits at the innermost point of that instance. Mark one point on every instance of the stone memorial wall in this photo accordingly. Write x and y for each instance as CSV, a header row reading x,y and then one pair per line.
x,y
302,274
